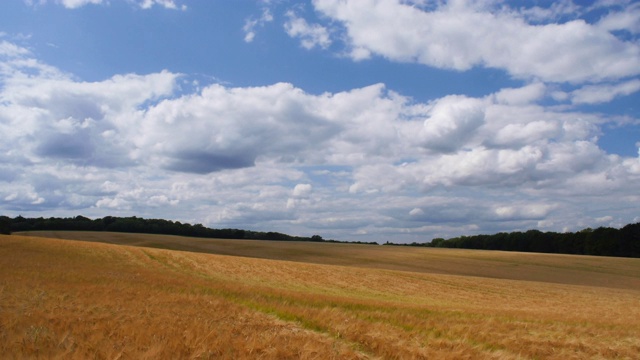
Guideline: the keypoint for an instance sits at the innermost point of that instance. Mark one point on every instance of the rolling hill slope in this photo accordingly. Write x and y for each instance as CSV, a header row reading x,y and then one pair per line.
x,y
555,268
78,299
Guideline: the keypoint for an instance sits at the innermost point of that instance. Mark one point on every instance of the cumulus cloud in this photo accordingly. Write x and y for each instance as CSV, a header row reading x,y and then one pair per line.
x,y
11,50
310,35
521,212
56,117
460,35
520,96
627,20
537,14
300,196
231,128
302,190
595,94
453,120
357,164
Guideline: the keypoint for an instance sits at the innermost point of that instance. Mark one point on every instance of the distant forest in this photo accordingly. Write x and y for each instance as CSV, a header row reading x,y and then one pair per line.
x,y
148,226
603,241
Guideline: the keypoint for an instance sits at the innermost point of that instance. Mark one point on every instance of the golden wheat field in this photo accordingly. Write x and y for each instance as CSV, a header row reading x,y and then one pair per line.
x,y
269,300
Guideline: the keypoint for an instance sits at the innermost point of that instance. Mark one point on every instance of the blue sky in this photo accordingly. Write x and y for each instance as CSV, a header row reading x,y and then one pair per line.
x,y
357,120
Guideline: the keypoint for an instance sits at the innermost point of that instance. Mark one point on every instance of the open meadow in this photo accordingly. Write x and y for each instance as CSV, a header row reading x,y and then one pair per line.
x,y
125,296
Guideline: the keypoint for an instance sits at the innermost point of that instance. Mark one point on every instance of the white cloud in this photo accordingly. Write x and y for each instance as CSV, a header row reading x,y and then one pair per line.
x,y
310,35
11,50
232,128
627,19
302,190
604,219
53,116
144,4
521,96
276,158
167,4
416,212
516,134
300,196
73,4
458,35
594,94
251,24
557,9
452,121
484,167
528,211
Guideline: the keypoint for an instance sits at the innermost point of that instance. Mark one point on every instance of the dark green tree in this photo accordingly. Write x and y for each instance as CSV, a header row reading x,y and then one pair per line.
x,y
630,244
5,225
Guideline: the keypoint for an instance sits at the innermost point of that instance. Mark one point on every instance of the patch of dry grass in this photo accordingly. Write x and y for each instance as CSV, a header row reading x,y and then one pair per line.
x,y
68,299
621,273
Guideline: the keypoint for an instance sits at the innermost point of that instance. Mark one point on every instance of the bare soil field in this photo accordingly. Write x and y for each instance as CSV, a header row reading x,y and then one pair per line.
x,y
272,300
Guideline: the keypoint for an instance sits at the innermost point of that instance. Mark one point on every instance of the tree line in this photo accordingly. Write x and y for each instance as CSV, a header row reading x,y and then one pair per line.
x,y
603,241
135,224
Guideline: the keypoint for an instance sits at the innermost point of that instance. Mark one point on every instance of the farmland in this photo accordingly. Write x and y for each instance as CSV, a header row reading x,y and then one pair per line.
x,y
152,296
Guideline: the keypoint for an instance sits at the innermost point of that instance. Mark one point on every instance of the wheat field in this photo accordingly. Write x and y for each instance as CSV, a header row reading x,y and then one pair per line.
x,y
84,300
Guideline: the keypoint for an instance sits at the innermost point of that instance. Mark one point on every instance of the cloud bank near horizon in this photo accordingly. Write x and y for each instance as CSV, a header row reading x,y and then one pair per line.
x,y
365,163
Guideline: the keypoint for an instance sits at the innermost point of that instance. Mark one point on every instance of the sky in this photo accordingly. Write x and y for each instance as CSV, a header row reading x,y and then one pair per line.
x,y
358,120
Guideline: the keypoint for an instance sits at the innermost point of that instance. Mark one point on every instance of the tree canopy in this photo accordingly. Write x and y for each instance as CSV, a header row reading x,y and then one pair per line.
x,y
135,224
603,241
